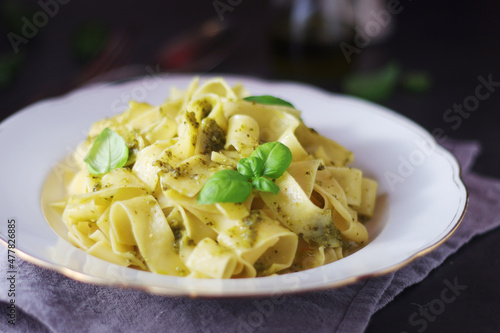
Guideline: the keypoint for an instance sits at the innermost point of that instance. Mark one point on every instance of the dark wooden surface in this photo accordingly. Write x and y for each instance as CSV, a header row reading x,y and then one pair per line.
x,y
454,41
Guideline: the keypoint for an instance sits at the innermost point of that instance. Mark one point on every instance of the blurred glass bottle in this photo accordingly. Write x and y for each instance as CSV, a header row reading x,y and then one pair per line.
x,y
305,35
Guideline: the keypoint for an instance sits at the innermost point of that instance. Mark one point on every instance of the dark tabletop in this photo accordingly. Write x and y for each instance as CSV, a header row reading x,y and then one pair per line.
x,y
455,45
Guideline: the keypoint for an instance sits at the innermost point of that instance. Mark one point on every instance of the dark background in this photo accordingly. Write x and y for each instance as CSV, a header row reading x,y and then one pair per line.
x,y
451,42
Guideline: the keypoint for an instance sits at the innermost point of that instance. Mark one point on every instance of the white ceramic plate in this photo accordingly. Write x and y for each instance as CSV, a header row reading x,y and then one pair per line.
x,y
421,202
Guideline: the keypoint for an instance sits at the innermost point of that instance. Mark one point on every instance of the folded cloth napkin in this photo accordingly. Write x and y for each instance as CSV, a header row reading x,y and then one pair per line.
x,y
49,302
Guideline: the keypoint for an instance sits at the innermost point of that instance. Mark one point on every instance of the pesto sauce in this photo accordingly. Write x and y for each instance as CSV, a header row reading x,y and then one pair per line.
x,y
214,136
245,232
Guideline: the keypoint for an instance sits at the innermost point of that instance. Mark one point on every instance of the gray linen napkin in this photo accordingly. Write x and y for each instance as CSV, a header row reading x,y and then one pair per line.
x,y
49,302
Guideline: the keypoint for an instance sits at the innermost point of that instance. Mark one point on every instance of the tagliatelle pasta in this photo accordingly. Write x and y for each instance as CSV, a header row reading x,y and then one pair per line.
x,y
145,214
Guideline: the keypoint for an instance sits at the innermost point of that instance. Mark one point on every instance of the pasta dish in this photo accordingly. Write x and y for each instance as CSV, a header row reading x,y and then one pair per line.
x,y
215,183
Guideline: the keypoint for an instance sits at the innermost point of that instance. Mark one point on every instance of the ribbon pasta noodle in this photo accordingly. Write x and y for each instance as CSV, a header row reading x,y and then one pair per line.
x,y
145,215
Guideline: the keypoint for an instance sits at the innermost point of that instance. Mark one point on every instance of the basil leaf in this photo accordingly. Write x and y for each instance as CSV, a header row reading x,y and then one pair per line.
x,y
251,167
265,185
92,170
270,100
108,152
276,156
225,186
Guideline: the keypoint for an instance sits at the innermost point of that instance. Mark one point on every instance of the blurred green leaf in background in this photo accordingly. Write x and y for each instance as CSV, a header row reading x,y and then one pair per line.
x,y
9,67
379,85
12,12
375,86
416,81
88,40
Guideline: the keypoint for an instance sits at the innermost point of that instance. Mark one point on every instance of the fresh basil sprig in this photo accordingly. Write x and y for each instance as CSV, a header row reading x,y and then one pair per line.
x,y
108,152
269,161
267,99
